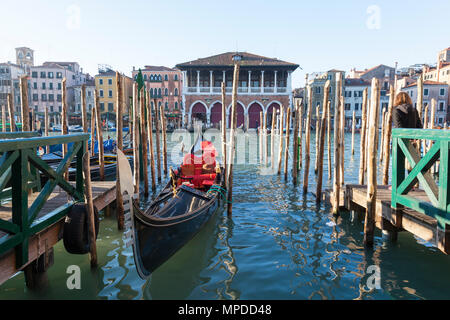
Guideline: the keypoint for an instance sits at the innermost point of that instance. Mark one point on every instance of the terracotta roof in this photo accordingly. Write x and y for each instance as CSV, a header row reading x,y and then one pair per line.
x,y
248,59
428,83
157,68
380,65
356,82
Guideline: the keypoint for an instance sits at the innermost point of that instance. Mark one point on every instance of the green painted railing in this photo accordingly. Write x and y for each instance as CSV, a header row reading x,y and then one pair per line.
x,y
438,193
19,159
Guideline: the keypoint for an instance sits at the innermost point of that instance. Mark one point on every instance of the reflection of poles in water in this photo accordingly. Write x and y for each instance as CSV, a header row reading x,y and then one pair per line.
x,y
230,264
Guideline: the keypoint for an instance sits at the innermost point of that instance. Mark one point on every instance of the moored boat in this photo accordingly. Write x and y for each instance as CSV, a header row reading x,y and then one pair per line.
x,y
188,201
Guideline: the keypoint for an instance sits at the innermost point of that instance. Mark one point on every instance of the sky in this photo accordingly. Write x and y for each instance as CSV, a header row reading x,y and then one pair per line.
x,y
317,35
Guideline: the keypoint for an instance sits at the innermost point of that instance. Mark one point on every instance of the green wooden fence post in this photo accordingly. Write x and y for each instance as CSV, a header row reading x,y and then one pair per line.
x,y
20,204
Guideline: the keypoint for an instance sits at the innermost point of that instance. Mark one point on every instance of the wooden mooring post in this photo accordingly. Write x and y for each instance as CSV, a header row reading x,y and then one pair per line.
x,y
362,153
12,121
329,149
300,135
272,138
295,149
90,209
164,139
150,139
158,141
337,157
307,140
136,137
353,133
120,211
24,103
316,162
232,138
143,138
388,137
46,124
64,125
286,149
3,118
97,127
342,140
280,146
322,141
224,130
369,222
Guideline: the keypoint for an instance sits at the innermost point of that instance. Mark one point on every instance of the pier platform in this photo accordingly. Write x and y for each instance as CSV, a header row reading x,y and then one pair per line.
x,y
354,198
104,193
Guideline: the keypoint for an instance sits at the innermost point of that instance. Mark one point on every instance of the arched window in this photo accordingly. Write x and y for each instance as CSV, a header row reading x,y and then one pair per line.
x,y
166,78
176,105
151,104
166,106
151,77
159,77
159,92
159,104
166,92
175,77
145,77
151,92
176,91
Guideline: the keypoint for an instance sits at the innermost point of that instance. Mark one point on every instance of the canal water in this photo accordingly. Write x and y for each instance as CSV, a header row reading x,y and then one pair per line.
x,y
278,245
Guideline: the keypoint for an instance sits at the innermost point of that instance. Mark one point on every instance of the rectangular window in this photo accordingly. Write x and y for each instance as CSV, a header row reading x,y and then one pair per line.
x,y
317,89
50,86
35,97
347,106
58,75
442,92
59,85
43,75
51,97
50,75
34,85
102,106
110,82
101,93
43,97
34,74
110,106
110,93
89,93
43,85
58,98
51,108
356,106
441,106
100,81
425,92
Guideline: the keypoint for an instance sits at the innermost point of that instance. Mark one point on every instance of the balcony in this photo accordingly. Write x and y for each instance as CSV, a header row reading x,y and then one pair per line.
x,y
241,90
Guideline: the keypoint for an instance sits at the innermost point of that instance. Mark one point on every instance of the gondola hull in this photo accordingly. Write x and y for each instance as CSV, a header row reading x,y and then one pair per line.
x,y
158,237
156,244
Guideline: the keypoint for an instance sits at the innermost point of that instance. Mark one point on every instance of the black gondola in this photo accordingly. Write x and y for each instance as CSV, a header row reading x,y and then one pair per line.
x,y
177,214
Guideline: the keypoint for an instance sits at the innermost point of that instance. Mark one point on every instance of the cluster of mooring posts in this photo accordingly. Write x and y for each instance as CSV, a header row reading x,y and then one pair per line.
x,y
32,213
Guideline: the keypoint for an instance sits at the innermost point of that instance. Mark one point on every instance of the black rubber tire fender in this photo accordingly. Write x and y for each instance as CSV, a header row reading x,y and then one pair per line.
x,y
76,229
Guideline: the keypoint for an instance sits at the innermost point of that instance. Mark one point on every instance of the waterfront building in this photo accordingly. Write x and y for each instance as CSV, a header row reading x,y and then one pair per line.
x,y
90,93
46,85
353,99
317,83
10,74
165,85
25,58
264,83
106,85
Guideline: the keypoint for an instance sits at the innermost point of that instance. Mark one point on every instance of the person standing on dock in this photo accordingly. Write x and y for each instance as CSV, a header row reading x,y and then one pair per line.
x,y
405,115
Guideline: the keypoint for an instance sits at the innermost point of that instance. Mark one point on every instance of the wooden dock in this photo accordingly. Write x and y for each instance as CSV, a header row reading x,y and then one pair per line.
x,y
354,198
104,193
